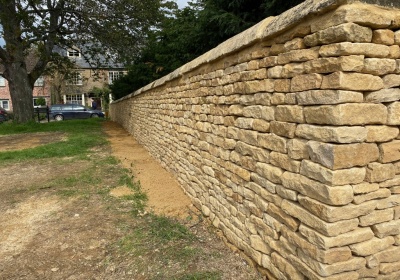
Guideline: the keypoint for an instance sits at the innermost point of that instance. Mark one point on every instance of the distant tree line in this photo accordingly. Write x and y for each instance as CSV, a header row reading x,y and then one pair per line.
x,y
184,34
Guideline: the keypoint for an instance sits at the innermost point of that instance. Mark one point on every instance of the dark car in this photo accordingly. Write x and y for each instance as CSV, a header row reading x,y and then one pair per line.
x,y
3,115
61,112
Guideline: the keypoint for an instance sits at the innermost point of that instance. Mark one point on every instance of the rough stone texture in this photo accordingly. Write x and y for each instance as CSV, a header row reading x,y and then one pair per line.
x,y
287,137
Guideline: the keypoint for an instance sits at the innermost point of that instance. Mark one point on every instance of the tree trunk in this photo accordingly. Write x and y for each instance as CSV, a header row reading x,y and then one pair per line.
x,y
21,90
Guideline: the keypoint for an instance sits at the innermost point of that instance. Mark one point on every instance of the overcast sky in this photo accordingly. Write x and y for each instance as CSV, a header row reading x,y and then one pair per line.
x,y
182,3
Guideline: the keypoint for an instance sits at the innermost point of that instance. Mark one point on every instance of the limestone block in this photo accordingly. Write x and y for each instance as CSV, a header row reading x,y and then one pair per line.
x,y
329,256
340,134
390,151
367,15
338,195
264,188
334,64
317,97
368,273
394,52
286,193
388,228
294,44
388,268
289,113
377,172
278,98
263,228
383,37
277,49
258,244
286,267
236,110
285,162
258,112
342,156
248,136
258,86
390,183
352,237
397,239
298,55
347,32
290,98
271,270
381,193
329,229
352,81
281,216
332,177
284,129
297,149
292,70
244,123
306,82
392,254
260,125
311,274
346,114
391,80
377,217
272,142
372,246
379,66
275,72
397,37
269,61
283,85
365,188
269,172
391,201
255,152
327,270
380,133
347,48
332,213
262,98
394,113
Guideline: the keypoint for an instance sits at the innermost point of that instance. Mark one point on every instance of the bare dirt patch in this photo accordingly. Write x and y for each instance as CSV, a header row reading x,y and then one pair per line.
x,y
57,223
29,140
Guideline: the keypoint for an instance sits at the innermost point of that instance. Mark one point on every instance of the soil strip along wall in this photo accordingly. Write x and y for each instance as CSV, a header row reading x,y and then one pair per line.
x,y
287,137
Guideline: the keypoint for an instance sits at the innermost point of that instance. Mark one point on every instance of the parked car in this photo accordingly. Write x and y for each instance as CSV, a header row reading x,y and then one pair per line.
x,y
3,115
61,112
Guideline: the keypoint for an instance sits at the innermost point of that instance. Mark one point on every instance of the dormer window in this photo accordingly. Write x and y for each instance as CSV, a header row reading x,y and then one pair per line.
x,y
73,53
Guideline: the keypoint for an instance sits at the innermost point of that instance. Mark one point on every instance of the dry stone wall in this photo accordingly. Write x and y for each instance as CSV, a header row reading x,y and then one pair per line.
x,y
287,137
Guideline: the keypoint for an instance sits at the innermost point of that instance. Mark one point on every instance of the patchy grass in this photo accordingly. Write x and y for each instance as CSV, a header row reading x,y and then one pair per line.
x,y
80,172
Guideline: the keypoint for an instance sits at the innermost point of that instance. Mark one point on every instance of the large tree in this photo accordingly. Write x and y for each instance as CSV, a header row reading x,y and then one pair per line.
x,y
32,29
192,31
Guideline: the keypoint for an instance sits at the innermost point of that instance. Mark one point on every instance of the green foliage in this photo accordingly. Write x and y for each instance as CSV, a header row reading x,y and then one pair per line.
x,y
190,32
165,228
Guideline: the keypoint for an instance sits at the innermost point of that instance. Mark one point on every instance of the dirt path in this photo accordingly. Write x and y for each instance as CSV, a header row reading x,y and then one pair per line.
x,y
59,222
165,195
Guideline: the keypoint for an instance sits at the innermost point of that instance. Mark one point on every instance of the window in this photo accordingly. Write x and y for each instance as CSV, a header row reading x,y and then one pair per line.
x,y
74,99
73,53
114,75
2,81
75,79
5,104
39,82
39,101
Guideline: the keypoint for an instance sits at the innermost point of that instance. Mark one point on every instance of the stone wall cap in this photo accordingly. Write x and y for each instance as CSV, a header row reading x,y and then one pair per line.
x,y
267,28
